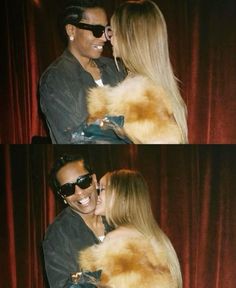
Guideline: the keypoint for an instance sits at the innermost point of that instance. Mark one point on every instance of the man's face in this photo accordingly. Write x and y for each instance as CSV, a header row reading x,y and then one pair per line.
x,y
83,201
85,43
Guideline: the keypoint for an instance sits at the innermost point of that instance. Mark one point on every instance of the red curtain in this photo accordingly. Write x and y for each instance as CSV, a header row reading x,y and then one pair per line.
x,y
202,48
193,196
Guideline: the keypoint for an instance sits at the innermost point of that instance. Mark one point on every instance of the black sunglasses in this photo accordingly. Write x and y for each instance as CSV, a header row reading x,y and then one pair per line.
x,y
83,182
97,30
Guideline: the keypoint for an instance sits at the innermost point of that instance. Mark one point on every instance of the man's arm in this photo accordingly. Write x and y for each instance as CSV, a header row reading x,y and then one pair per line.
x,y
60,262
64,107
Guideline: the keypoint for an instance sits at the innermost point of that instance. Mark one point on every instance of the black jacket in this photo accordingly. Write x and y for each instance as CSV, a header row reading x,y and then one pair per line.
x,y
63,88
64,238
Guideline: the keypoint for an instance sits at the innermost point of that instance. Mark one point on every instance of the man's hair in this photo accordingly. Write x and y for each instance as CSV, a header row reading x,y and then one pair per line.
x,y
61,162
73,12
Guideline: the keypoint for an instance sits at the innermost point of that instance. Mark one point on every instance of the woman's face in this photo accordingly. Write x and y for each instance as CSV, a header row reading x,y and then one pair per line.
x,y
101,202
114,44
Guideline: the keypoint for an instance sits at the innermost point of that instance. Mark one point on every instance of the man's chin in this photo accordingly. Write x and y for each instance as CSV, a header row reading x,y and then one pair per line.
x,y
97,55
84,210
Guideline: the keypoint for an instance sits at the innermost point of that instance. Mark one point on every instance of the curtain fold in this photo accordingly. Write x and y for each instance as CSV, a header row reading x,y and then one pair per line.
x,y
19,109
10,222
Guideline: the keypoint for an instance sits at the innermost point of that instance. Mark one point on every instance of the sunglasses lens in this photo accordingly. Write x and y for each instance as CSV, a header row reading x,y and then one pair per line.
x,y
84,182
98,31
67,189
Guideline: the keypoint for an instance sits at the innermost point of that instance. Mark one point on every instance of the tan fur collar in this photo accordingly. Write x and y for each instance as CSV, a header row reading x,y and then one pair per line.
x,y
134,262
145,106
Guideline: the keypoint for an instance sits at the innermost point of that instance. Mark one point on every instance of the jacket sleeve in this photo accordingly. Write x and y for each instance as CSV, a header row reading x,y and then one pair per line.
x,y
64,107
58,264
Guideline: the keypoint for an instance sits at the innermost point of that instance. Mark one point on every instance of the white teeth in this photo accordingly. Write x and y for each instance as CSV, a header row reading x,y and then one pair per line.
x,y
98,47
84,201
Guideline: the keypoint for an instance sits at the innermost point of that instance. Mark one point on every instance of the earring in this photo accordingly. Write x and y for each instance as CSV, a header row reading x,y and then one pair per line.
x,y
65,201
72,38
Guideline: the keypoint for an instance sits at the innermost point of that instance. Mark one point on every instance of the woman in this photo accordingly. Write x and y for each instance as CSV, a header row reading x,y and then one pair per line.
x,y
137,253
149,98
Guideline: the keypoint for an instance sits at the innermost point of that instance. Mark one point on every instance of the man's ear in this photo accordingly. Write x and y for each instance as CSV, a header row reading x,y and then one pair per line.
x,y
64,199
70,30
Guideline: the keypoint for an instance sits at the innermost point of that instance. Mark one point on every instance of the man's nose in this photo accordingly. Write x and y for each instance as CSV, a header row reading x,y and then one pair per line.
x,y
78,190
103,37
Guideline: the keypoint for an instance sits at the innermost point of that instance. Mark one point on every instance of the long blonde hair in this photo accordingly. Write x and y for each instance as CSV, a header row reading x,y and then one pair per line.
x,y
142,42
128,203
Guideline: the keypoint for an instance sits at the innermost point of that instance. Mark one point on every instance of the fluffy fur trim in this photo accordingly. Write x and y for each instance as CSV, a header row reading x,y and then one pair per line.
x,y
145,106
130,263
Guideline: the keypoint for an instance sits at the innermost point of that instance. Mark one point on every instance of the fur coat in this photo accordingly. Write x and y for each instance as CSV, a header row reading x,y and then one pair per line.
x,y
128,263
145,107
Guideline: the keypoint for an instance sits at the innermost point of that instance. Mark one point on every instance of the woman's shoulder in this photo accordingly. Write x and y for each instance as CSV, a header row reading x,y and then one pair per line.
x,y
114,248
135,257
138,87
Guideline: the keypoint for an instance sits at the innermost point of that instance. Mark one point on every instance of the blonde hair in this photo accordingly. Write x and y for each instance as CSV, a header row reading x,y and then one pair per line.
x,y
141,36
128,203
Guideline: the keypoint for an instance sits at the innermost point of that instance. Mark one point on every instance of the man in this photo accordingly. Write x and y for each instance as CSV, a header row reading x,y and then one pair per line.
x,y
63,86
76,227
